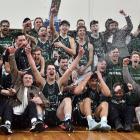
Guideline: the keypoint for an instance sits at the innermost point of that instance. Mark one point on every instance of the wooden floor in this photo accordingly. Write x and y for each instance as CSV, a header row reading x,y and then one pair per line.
x,y
76,135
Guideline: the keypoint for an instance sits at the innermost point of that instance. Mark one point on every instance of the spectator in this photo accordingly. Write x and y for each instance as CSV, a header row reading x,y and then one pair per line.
x,y
115,37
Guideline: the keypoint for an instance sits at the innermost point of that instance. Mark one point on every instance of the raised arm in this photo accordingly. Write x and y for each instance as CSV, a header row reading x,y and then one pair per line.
x,y
126,75
42,62
12,62
90,46
68,72
53,10
104,88
39,79
129,27
31,40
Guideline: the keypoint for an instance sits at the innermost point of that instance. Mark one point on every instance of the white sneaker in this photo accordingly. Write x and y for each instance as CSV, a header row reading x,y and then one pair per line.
x,y
93,125
104,126
37,127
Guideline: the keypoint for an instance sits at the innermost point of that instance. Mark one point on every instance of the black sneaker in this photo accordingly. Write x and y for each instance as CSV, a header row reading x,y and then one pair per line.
x,y
68,126
6,129
127,128
37,126
118,125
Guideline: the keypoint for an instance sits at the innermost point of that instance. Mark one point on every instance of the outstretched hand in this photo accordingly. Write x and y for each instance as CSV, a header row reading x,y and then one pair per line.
x,y
53,10
122,12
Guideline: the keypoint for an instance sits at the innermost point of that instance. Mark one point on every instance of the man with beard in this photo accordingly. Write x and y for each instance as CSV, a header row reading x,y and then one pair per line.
x,y
27,30
63,65
5,37
51,89
115,37
68,87
27,26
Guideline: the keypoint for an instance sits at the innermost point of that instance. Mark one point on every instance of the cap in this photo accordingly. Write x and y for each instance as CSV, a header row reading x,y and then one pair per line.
x,y
64,22
26,19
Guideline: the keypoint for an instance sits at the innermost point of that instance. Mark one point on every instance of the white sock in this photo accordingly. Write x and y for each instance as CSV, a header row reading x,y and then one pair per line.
x,y
33,120
104,119
40,116
89,117
67,117
7,122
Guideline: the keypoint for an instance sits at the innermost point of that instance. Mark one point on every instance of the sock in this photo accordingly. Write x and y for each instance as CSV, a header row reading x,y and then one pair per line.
x,y
67,117
104,119
7,122
40,116
33,120
89,117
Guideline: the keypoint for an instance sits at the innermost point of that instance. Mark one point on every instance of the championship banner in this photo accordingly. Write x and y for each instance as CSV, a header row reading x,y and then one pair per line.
x,y
56,4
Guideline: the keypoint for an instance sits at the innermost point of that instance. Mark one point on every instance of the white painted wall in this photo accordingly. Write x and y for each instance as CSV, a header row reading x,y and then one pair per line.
x,y
17,10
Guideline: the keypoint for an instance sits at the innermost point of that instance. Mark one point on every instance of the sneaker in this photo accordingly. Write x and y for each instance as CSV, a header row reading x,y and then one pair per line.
x,y
6,129
118,125
93,125
127,128
68,126
104,126
37,127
